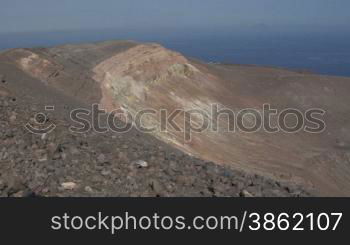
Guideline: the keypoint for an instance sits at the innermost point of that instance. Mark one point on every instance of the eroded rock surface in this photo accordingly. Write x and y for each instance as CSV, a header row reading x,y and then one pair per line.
x,y
133,77
99,165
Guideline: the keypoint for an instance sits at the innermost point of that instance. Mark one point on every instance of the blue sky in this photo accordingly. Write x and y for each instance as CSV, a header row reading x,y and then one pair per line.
x,y
51,15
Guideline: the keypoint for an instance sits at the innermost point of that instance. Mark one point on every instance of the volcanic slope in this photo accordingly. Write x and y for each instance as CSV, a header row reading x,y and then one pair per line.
x,y
136,76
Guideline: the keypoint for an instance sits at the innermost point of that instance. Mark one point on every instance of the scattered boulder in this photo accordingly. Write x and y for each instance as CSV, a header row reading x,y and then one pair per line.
x,y
13,118
101,159
69,185
141,164
105,172
156,186
41,155
88,189
245,193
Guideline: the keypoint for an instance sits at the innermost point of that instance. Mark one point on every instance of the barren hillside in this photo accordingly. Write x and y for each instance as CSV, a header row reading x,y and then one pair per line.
x,y
134,77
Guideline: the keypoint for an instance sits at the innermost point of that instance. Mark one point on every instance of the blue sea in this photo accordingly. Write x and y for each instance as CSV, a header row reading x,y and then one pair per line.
x,y
324,53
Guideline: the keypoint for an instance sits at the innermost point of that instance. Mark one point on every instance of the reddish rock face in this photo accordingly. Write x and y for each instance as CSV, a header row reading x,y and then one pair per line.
x,y
136,77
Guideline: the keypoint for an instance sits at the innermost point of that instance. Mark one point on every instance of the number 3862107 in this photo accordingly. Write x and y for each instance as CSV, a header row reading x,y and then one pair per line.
x,y
294,222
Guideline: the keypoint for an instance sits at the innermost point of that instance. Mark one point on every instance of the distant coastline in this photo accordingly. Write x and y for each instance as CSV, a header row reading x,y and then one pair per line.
x,y
315,53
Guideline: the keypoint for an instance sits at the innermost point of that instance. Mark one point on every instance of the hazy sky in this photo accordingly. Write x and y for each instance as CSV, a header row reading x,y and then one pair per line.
x,y
44,15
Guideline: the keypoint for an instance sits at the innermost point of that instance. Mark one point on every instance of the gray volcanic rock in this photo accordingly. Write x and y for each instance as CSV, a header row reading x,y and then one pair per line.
x,y
128,75
101,165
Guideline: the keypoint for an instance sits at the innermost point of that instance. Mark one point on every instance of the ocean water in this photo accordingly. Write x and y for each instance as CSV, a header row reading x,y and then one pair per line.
x,y
324,53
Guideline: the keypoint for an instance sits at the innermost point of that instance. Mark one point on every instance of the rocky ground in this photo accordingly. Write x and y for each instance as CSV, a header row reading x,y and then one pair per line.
x,y
65,164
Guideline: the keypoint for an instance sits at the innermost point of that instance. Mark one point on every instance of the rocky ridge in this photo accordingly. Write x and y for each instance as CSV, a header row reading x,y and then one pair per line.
x,y
65,164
